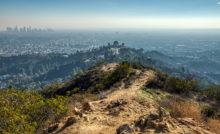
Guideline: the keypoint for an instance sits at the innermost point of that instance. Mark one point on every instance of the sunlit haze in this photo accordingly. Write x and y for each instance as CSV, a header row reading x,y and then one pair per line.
x,y
104,14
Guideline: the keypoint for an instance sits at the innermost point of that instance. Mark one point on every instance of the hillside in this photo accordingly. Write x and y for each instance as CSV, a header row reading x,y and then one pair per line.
x,y
126,107
113,98
34,71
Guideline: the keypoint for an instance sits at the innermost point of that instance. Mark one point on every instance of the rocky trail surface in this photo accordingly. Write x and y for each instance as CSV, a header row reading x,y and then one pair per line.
x,y
121,112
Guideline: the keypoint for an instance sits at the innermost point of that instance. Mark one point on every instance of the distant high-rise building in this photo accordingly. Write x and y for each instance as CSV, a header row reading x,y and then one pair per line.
x,y
23,29
16,29
9,29
29,29
26,29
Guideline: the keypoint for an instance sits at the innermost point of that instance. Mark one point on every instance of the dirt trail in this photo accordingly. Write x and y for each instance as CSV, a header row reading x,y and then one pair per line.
x,y
106,118
122,107
123,93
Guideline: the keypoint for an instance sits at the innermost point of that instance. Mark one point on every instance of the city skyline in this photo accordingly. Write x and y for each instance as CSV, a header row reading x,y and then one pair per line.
x,y
110,14
25,29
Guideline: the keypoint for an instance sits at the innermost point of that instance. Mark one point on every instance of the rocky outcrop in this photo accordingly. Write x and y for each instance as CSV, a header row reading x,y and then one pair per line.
x,y
162,122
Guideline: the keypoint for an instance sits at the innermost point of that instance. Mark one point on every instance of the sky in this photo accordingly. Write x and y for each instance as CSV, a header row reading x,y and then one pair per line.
x,y
110,14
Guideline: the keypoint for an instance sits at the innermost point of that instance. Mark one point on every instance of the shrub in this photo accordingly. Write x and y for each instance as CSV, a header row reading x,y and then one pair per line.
x,y
137,65
50,91
176,85
158,82
80,97
25,112
211,111
212,92
172,84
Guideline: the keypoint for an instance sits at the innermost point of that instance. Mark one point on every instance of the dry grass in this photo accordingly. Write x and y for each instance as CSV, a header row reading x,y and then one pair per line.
x,y
180,109
214,125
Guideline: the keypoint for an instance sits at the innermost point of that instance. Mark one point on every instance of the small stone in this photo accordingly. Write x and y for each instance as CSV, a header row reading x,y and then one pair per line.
x,y
154,116
77,112
142,121
86,118
88,106
163,113
124,129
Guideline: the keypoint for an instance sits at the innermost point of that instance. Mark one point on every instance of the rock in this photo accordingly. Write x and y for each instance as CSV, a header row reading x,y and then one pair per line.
x,y
86,118
78,112
95,118
161,121
52,128
88,106
117,103
149,105
157,120
162,126
141,122
114,112
187,121
102,98
154,116
163,113
124,129
70,121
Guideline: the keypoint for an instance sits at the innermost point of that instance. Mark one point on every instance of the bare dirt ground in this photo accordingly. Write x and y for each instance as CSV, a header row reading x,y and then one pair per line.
x,y
104,120
123,107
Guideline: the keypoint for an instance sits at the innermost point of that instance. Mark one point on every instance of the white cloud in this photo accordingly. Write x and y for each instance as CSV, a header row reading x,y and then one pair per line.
x,y
218,3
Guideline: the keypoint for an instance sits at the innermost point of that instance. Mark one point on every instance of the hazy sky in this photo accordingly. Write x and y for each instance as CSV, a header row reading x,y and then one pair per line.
x,y
93,14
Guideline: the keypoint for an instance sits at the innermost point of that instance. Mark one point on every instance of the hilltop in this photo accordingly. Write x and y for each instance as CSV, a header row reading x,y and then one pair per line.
x,y
113,98
128,106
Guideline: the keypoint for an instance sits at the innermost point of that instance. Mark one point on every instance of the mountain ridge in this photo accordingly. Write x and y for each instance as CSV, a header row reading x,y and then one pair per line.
x,y
125,108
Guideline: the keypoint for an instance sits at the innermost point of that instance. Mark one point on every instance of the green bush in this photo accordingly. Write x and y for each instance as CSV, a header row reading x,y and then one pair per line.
x,y
172,84
159,81
212,92
50,91
176,85
25,112
211,112
137,65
